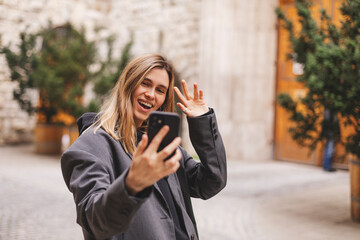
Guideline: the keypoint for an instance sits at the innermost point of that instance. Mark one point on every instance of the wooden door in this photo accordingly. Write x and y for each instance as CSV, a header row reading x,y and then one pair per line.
x,y
341,159
287,70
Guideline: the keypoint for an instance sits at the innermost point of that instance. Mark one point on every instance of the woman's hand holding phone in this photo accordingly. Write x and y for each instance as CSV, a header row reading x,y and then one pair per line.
x,y
148,165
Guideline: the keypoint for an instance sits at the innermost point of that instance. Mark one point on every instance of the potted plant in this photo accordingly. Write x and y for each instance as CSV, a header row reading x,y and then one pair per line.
x,y
54,63
57,71
108,74
104,79
330,56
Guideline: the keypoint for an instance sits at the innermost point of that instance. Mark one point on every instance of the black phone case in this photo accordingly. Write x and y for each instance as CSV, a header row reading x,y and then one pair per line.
x,y
157,120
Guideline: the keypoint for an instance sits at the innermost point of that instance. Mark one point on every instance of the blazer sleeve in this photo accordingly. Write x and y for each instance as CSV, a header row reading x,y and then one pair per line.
x,y
104,207
207,177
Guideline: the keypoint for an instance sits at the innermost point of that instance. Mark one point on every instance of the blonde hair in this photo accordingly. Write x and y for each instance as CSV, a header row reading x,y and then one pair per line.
x,y
116,114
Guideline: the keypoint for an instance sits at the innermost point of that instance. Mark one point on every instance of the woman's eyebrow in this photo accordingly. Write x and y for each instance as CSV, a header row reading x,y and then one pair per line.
x,y
161,85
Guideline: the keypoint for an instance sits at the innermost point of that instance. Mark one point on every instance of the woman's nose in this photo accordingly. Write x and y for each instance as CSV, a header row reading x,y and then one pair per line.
x,y
150,93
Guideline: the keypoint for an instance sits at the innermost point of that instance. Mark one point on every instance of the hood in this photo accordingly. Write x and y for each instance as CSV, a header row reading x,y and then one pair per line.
x,y
85,121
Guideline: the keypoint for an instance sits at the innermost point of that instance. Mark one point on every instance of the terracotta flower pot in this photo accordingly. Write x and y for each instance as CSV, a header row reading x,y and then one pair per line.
x,y
48,138
70,134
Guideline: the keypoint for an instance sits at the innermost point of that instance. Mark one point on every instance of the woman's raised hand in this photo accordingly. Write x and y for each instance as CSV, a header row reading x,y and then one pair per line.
x,y
148,165
191,106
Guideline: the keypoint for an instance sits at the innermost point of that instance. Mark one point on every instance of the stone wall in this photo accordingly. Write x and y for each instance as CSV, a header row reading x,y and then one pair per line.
x,y
237,69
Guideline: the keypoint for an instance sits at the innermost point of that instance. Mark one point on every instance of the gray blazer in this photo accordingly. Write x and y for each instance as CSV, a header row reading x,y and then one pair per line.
x,y
95,167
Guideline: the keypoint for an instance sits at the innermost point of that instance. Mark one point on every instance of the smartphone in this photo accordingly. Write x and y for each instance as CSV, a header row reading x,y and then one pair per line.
x,y
159,119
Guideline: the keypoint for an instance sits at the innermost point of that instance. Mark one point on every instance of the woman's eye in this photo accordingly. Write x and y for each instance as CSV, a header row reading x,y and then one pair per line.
x,y
161,90
145,84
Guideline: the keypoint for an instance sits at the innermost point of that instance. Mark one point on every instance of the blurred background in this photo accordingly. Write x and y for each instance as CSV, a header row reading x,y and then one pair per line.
x,y
228,47
59,58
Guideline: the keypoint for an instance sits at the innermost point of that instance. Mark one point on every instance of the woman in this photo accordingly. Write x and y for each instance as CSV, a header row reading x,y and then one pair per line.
x,y
122,187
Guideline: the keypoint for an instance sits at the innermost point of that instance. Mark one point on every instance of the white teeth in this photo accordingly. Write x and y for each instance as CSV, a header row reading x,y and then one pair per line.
x,y
145,103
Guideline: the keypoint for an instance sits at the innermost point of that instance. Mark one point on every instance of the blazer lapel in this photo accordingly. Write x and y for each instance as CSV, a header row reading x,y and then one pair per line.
x,y
175,190
159,194
179,200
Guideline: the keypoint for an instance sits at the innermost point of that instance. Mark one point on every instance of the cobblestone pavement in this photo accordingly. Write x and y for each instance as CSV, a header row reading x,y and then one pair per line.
x,y
34,201
279,201
262,201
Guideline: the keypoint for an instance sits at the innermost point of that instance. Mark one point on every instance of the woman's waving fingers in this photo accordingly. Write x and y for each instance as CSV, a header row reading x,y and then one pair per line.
x,y
196,91
191,106
201,95
180,96
186,90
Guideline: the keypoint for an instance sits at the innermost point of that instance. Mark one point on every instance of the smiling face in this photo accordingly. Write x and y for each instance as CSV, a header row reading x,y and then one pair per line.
x,y
150,94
